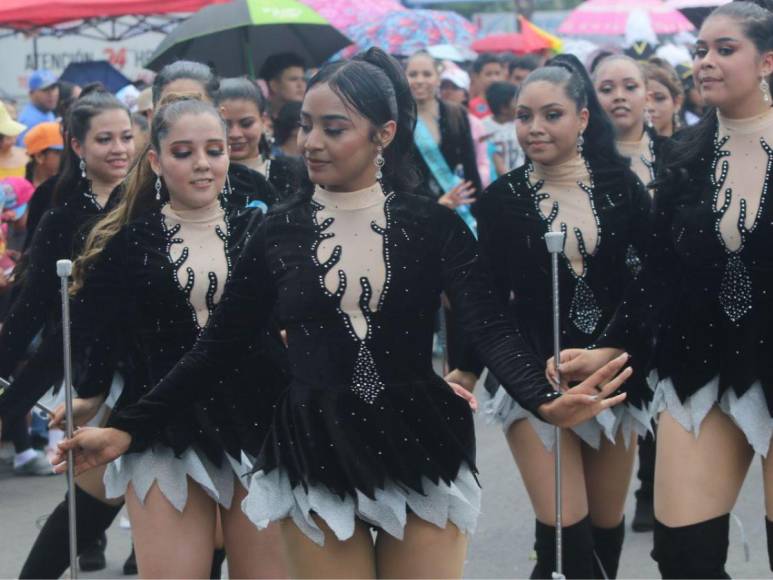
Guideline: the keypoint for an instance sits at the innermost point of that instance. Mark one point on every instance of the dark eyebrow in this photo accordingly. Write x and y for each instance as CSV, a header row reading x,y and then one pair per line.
x,y
328,117
550,106
722,39
189,142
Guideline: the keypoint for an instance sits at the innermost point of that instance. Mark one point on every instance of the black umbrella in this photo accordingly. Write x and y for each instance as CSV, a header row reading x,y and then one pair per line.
x,y
237,37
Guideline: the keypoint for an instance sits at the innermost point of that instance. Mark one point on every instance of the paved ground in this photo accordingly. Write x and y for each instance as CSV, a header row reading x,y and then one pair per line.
x,y
499,549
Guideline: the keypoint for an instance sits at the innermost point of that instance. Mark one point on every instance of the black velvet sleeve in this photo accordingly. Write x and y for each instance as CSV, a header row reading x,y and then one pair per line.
x,y
100,313
228,339
39,293
482,317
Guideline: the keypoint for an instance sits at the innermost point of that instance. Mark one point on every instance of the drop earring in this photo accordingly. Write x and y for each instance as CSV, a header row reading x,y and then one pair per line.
x,y
158,187
580,143
82,167
765,88
379,162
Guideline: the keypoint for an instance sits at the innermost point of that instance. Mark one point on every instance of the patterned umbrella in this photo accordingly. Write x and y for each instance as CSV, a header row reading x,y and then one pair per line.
x,y
403,33
343,14
609,18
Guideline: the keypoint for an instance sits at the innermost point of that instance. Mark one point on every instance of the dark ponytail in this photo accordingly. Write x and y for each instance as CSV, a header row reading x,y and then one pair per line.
x,y
567,72
243,89
756,20
374,84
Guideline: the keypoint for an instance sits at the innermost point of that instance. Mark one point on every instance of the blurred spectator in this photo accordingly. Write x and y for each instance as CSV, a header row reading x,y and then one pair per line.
x,y
284,74
141,132
68,92
486,69
13,159
519,68
17,193
454,85
145,104
44,97
666,96
44,146
286,131
506,153
693,107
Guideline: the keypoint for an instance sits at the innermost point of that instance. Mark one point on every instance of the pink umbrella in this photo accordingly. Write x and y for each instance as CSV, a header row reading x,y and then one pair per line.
x,y
609,18
344,13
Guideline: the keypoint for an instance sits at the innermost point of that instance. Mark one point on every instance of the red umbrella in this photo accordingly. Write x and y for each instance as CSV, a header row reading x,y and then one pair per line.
x,y
515,42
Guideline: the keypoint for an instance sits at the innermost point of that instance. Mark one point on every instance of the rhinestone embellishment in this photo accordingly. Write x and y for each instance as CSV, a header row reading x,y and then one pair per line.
x,y
633,261
735,291
366,382
584,311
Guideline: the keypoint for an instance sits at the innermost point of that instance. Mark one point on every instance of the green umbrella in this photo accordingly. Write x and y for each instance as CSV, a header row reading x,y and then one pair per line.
x,y
236,38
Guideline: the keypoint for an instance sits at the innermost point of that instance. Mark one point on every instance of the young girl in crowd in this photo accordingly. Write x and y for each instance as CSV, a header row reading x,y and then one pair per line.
x,y
150,276
666,97
366,435
243,106
95,163
705,291
574,181
621,86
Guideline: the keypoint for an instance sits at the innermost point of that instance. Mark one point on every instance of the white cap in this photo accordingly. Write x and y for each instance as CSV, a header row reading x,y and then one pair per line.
x,y
457,76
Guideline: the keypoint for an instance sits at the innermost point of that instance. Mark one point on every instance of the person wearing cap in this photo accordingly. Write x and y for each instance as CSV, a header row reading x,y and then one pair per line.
x,y
13,159
44,96
454,84
44,145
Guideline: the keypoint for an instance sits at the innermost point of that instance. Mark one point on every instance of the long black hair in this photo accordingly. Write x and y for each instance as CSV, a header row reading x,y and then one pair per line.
x,y
567,72
76,126
244,89
756,21
374,84
186,69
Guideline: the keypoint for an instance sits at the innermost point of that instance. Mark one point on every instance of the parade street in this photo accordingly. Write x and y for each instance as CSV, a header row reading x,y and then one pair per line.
x,y
499,549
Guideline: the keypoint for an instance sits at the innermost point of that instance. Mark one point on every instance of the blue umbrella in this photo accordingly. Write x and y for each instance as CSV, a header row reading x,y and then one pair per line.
x,y
92,71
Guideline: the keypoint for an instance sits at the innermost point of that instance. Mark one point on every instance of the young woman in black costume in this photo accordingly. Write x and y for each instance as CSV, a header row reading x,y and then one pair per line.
x,y
366,434
150,277
705,293
242,105
95,164
574,181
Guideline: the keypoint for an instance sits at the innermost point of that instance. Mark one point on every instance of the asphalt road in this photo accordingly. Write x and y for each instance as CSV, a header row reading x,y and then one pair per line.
x,y
500,548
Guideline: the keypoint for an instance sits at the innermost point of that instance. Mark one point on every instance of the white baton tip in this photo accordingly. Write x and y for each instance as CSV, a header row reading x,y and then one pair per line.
x,y
63,268
555,242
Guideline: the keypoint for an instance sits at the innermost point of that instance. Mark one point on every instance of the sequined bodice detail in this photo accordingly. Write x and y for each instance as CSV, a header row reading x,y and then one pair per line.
x,y
564,198
196,243
743,160
351,252
642,156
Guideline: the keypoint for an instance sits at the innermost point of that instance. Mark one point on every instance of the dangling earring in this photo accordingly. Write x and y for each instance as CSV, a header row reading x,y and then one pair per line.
x,y
82,167
648,118
580,143
158,188
765,88
379,162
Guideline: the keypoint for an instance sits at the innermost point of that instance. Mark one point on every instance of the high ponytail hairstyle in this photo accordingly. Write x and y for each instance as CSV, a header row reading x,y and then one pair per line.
x,y
374,84
140,193
76,126
756,21
567,72
187,70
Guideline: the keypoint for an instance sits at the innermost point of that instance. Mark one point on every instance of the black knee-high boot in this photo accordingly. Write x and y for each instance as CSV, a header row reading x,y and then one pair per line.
x,y
50,555
607,545
218,557
769,529
577,548
694,551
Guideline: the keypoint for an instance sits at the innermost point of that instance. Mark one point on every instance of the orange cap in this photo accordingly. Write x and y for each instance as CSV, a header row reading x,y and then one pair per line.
x,y
44,136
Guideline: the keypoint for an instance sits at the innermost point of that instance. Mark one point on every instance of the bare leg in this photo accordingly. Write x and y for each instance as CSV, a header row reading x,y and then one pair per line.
x,y
353,558
608,473
251,553
697,479
170,544
426,551
92,483
536,465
